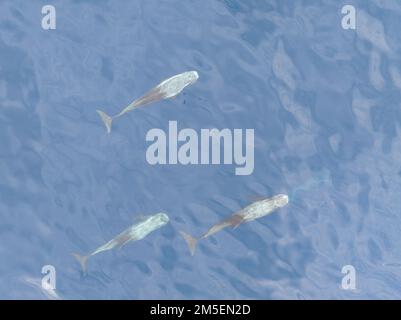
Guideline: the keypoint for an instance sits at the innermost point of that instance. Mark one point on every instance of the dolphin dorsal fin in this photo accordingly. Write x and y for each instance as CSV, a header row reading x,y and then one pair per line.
x,y
141,218
255,198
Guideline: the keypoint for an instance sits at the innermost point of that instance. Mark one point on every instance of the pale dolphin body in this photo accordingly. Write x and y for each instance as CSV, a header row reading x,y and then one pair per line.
x,y
137,231
43,287
254,211
169,88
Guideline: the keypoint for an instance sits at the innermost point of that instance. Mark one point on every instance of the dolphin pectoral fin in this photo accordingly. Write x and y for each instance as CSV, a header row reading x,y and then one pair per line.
x,y
141,217
255,198
123,244
235,220
123,240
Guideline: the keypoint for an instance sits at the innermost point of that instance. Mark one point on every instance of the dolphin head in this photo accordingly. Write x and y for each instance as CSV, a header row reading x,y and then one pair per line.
x,y
280,200
192,76
162,218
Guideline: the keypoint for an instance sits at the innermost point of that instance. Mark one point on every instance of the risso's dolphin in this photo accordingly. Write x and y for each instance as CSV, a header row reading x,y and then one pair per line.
x,y
169,88
254,211
137,231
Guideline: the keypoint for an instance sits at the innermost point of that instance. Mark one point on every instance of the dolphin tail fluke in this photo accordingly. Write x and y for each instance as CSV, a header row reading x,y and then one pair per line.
x,y
191,241
83,261
107,120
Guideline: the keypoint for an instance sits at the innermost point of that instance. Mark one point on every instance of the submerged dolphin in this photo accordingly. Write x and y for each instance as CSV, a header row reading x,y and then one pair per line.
x,y
43,286
169,88
254,211
137,231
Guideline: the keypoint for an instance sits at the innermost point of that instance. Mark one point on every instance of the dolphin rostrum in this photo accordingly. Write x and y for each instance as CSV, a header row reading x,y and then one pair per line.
x,y
169,88
254,211
137,231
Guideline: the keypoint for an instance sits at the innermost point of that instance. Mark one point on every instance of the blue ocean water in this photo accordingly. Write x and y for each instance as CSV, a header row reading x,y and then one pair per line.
x,y
325,106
